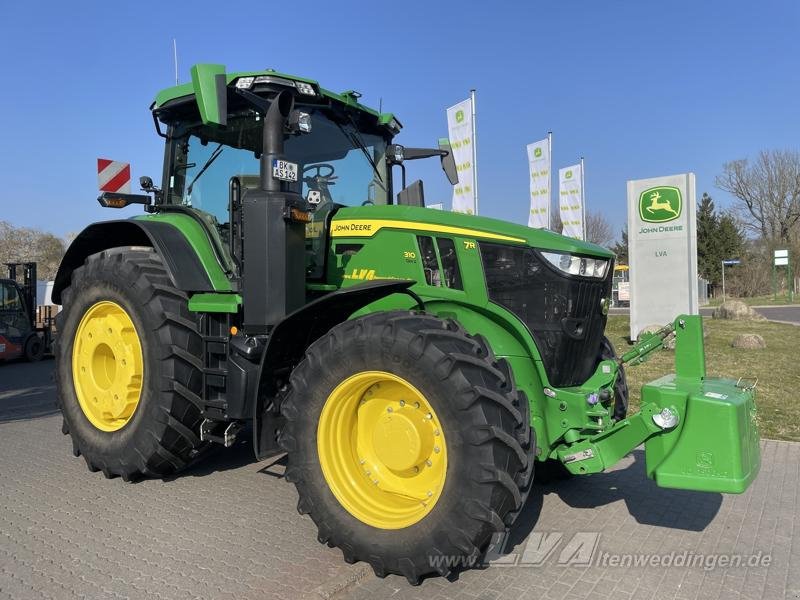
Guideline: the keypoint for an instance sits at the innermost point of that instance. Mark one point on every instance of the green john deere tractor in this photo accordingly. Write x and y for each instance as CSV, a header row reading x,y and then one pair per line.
x,y
417,366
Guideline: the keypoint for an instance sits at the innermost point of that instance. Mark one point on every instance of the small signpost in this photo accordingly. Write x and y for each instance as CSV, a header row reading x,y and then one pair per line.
x,y
781,259
729,262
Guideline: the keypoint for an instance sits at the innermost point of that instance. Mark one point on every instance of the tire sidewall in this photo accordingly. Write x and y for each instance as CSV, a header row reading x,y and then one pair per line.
x,y
107,284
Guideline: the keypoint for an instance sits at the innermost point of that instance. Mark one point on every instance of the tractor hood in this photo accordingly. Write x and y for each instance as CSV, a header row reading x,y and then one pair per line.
x,y
367,220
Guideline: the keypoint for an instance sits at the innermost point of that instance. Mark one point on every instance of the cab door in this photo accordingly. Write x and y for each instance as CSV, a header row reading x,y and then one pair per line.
x,y
15,323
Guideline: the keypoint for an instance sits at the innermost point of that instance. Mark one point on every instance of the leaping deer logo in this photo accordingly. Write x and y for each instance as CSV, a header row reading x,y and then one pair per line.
x,y
657,204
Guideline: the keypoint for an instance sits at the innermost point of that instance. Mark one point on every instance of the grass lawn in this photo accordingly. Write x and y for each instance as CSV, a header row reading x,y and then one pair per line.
x,y
769,300
777,368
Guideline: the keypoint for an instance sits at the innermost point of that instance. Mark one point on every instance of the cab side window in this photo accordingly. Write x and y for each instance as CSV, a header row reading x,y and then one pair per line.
x,y
9,298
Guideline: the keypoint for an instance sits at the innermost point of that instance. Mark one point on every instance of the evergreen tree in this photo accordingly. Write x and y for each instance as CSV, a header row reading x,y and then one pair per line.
x,y
719,237
620,247
708,264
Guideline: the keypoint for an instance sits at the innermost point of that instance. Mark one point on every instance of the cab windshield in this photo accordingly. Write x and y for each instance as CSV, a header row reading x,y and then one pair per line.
x,y
336,162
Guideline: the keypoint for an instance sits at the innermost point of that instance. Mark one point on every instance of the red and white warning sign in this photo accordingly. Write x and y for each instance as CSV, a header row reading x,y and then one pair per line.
x,y
113,176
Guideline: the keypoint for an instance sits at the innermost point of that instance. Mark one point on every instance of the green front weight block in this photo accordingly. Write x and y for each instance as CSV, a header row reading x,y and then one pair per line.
x,y
699,433
715,447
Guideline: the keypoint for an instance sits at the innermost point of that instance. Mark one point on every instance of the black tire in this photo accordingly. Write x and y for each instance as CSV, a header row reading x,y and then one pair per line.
x,y
485,419
34,348
162,434
554,470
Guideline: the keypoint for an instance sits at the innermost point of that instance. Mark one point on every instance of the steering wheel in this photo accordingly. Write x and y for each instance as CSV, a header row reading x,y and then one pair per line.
x,y
318,174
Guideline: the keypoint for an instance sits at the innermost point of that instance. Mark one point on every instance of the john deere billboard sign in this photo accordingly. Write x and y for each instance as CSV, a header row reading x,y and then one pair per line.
x,y
662,246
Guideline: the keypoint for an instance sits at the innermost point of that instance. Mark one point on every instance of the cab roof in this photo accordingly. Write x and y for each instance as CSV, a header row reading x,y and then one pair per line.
x,y
347,98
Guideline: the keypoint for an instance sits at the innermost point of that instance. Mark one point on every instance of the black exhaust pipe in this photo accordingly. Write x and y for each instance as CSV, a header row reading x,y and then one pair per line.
x,y
273,269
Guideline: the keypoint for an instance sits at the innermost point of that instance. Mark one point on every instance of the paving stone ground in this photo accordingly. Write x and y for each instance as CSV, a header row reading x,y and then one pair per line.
x,y
228,528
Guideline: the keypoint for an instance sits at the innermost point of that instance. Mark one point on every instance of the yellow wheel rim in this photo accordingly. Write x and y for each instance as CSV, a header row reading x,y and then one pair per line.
x,y
107,366
382,450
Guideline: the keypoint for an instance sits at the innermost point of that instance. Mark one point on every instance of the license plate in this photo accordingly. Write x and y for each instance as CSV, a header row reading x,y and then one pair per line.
x,y
284,170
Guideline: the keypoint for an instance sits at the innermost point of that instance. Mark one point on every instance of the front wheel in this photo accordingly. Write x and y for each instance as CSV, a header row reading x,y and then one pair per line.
x,y
128,366
408,443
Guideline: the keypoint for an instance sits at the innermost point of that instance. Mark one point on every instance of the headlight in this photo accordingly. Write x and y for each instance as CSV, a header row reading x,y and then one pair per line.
x,y
244,83
305,88
578,265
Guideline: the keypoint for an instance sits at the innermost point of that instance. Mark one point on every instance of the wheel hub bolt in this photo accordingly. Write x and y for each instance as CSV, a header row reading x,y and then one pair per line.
x,y
436,449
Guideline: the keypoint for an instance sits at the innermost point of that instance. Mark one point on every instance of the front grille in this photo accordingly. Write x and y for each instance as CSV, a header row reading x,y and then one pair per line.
x,y
563,312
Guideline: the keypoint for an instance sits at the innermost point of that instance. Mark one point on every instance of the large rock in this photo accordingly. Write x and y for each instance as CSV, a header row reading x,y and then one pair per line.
x,y
736,310
751,341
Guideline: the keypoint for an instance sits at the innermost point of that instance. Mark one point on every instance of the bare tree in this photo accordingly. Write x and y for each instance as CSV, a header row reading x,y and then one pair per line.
x,y
23,244
768,192
598,230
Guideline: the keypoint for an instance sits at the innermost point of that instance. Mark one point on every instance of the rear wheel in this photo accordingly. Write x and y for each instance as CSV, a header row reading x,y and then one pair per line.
x,y
34,348
408,443
128,366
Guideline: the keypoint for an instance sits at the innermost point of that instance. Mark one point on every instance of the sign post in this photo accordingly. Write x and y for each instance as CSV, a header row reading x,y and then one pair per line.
x,y
662,238
781,259
729,262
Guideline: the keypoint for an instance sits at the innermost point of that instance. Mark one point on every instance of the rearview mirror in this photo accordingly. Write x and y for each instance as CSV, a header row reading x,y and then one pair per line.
x,y
448,161
211,92
413,195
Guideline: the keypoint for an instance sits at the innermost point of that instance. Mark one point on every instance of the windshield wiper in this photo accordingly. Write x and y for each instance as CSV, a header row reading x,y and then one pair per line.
x,y
217,151
357,142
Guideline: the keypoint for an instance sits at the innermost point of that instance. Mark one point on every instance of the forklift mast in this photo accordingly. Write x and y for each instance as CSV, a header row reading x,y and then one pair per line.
x,y
27,271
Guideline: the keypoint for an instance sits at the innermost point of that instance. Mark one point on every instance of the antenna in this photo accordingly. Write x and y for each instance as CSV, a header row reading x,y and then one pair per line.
x,y
380,104
175,57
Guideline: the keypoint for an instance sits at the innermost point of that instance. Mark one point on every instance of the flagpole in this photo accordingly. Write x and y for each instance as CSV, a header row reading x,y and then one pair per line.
x,y
474,151
583,199
175,58
550,181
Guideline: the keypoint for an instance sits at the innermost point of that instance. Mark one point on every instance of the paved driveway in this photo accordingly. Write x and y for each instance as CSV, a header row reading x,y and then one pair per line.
x,y
229,529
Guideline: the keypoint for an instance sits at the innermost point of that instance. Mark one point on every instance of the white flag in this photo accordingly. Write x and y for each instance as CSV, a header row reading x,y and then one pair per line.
x,y
570,199
539,168
459,127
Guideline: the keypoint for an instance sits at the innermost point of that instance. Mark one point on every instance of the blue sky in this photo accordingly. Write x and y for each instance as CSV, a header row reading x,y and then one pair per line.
x,y
640,89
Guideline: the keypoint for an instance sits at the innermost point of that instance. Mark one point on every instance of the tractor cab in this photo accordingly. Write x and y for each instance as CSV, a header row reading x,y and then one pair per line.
x,y
327,152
